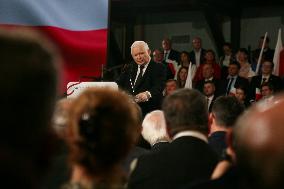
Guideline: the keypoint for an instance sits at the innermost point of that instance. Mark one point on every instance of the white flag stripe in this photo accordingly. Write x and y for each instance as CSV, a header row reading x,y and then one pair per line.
x,y
276,58
260,54
67,14
188,82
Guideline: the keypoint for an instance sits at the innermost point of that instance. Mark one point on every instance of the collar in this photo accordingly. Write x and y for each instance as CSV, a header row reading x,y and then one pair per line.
x,y
195,134
230,77
210,97
209,79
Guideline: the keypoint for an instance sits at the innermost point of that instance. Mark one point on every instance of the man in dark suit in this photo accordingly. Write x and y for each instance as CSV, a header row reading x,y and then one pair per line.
x,y
266,76
233,80
169,53
197,54
209,90
225,112
208,74
144,79
188,157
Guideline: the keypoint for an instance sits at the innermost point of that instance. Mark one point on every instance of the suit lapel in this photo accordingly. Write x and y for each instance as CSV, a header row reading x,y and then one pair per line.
x,y
144,76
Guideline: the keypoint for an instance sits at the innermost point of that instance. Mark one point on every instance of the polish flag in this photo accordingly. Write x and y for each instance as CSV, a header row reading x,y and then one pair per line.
x,y
258,95
78,28
276,58
233,91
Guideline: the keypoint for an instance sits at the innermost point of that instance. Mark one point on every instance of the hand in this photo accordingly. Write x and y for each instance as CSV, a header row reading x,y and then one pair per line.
x,y
141,97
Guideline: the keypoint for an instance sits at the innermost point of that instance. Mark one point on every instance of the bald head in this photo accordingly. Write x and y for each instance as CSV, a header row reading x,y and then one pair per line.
x,y
259,144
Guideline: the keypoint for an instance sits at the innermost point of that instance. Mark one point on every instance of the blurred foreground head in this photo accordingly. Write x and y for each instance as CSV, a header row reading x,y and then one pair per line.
x,y
259,144
104,125
28,80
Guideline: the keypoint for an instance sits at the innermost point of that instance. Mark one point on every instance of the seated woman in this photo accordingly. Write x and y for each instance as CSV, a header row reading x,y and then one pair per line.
x,y
103,127
181,76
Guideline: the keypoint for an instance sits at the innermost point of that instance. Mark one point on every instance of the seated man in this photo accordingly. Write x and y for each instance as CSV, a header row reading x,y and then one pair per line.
x,y
154,129
188,157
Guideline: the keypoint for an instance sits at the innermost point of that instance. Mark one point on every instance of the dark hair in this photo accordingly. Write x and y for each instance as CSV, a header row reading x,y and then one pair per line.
x,y
269,85
210,51
244,50
180,85
267,38
235,63
186,109
228,45
271,63
28,79
104,125
226,110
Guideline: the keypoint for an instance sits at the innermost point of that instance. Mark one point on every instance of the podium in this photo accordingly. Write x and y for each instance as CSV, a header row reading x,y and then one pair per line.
x,y
76,88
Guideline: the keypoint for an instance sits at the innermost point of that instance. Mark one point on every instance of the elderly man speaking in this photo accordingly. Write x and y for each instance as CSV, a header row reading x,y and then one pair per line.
x,y
143,78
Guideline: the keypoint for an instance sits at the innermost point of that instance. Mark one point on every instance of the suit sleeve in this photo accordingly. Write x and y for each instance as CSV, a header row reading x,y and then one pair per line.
x,y
158,80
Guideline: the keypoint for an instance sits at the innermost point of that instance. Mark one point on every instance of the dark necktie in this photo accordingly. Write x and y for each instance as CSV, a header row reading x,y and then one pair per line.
x,y
229,85
139,78
263,80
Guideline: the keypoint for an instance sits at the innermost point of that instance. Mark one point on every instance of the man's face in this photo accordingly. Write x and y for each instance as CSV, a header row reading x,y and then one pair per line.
x,y
241,56
233,70
266,91
140,55
240,94
171,86
158,56
266,68
166,44
196,43
208,89
227,50
207,71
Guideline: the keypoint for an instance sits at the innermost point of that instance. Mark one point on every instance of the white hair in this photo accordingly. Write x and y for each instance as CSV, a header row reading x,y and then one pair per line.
x,y
139,43
154,127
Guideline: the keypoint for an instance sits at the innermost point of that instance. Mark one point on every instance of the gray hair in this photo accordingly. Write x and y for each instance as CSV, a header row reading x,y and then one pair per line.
x,y
139,43
154,127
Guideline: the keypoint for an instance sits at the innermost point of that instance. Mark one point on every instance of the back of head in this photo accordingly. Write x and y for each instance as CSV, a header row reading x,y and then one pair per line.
x,y
186,109
259,144
154,127
28,79
226,110
104,125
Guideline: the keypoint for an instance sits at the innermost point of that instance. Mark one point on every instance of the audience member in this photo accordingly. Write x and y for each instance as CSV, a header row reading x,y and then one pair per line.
x,y
245,70
241,95
266,76
225,111
170,55
154,129
198,53
188,157
267,53
209,90
233,80
171,86
158,57
103,127
226,59
208,75
29,68
209,58
181,76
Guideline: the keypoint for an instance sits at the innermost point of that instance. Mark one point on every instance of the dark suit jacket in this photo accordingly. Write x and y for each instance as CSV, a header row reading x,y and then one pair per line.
x,y
217,141
256,83
153,80
192,56
174,55
240,81
218,86
186,159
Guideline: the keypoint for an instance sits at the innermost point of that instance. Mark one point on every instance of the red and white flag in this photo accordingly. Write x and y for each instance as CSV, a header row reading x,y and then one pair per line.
x,y
276,58
258,95
78,28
